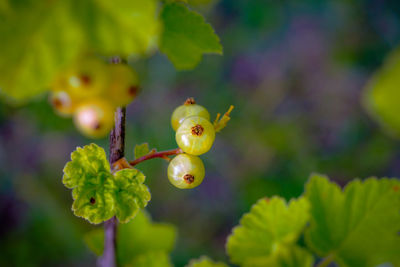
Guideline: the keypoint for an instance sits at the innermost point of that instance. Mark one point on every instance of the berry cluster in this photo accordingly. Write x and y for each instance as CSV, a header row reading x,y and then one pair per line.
x,y
90,91
195,135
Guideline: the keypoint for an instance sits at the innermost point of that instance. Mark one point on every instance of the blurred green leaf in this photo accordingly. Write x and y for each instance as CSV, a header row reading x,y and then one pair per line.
x,y
98,195
270,225
358,226
138,237
151,259
382,94
186,36
41,38
204,261
141,150
44,36
285,256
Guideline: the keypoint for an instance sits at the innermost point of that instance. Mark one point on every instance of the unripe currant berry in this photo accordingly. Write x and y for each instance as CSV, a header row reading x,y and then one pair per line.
x,y
123,85
189,108
186,171
84,79
195,135
63,103
94,118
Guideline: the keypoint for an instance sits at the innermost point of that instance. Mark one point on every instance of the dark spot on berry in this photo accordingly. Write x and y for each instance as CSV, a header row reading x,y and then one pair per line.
x,y
133,90
97,126
85,79
396,188
188,178
197,130
92,200
57,102
190,101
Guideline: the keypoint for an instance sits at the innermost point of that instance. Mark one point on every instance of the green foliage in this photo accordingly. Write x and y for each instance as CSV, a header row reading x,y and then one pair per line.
x,y
137,241
98,194
267,229
36,32
204,261
141,150
151,259
186,36
130,193
45,37
288,256
382,94
358,226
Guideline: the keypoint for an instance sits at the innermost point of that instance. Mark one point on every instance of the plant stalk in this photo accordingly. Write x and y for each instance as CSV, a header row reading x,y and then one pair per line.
x,y
117,149
152,155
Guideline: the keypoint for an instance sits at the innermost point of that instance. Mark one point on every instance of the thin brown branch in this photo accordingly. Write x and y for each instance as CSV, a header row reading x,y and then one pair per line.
x,y
160,154
117,148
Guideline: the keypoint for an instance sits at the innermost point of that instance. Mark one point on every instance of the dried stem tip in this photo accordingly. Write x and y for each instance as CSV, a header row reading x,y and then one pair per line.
x,y
190,101
197,130
188,178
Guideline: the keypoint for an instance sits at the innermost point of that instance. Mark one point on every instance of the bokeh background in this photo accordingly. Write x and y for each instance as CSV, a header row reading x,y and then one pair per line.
x,y
295,71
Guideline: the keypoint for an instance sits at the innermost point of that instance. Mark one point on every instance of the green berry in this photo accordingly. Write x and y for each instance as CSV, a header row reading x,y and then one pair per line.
x,y
186,171
63,103
94,118
189,108
195,135
123,85
84,79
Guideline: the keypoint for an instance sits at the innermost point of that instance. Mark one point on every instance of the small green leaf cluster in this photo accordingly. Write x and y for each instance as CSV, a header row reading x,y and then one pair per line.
x,y
90,91
41,37
195,136
100,194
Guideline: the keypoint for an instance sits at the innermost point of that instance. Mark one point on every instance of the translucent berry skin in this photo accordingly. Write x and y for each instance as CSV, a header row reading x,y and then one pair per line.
x,y
63,103
123,84
195,135
94,118
187,110
186,171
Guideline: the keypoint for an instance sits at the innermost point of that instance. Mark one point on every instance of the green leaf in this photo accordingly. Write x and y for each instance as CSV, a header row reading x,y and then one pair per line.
x,y
138,237
39,38
99,195
204,261
358,226
88,174
141,150
381,95
151,259
42,37
186,36
130,193
285,256
270,225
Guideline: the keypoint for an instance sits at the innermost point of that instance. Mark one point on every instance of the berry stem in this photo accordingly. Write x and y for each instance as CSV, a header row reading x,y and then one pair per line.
x,y
117,148
153,154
